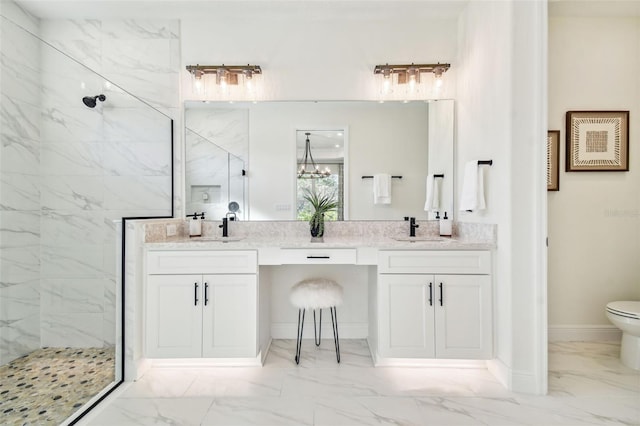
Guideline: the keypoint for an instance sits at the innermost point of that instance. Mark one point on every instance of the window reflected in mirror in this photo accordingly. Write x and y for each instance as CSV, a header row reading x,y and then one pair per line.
x,y
320,169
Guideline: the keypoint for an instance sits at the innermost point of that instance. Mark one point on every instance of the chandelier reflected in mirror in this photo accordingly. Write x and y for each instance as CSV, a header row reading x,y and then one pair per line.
x,y
308,167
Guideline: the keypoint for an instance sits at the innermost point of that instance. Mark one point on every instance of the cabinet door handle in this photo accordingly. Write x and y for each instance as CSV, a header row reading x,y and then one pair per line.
x,y
206,293
440,294
430,294
318,257
195,294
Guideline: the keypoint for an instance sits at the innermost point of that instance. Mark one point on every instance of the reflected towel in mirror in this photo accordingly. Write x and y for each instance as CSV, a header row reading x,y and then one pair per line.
x,y
472,196
381,188
433,194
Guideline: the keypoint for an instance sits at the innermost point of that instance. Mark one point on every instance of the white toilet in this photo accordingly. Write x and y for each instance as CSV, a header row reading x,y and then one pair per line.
x,y
626,316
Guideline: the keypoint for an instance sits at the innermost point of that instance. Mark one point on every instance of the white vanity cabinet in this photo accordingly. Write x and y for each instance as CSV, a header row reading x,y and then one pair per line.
x,y
201,304
434,304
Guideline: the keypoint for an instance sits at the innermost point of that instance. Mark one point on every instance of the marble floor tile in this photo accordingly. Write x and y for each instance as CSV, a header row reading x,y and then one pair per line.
x,y
587,386
264,411
154,411
237,382
368,411
162,383
353,353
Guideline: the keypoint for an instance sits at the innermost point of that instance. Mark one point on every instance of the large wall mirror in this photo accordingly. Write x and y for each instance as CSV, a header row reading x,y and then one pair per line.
x,y
410,140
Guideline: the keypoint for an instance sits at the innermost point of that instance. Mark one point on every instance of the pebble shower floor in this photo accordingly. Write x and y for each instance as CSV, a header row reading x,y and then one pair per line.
x,y
48,385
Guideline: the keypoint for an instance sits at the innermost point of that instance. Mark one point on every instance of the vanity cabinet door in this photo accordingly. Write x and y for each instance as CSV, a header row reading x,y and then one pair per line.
x,y
406,316
463,318
229,316
174,316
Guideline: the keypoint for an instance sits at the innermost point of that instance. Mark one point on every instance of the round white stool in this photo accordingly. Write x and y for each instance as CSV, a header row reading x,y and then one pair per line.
x,y
316,293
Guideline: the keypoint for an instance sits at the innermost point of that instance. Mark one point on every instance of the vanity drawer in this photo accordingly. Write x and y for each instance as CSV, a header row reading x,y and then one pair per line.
x,y
202,262
434,262
318,256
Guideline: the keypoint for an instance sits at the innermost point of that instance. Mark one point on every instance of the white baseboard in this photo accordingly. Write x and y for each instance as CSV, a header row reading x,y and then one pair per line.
x,y
524,382
345,330
514,380
583,333
500,371
206,362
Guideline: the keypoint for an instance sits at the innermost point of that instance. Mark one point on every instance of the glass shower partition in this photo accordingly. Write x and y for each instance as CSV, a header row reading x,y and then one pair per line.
x,y
214,179
72,165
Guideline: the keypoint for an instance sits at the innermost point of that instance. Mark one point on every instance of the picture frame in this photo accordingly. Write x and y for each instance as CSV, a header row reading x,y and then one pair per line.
x,y
597,141
553,160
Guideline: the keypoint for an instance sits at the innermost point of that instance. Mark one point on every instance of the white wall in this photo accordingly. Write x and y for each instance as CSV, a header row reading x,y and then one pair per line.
x,y
500,102
594,220
374,134
316,51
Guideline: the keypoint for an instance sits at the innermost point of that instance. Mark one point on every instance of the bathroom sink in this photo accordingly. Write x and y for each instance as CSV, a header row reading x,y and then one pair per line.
x,y
423,239
217,239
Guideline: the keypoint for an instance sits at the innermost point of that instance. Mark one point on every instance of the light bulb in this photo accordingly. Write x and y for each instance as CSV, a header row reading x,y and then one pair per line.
x,y
386,85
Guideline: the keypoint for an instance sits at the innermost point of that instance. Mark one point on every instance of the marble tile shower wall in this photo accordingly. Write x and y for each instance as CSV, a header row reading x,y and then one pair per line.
x,y
100,164
19,189
69,172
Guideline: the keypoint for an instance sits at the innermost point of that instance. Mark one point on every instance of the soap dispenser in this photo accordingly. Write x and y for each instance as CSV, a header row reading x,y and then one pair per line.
x,y
445,226
195,226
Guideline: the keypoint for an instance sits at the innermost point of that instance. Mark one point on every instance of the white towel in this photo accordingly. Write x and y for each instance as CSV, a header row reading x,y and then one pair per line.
x,y
381,188
433,194
472,197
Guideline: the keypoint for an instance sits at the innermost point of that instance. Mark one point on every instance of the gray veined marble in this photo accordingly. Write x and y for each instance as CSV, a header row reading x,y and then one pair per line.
x,y
79,260
20,80
19,119
71,125
85,51
69,159
67,228
19,229
136,125
146,192
19,264
73,193
19,155
71,29
141,29
19,191
79,330
137,159
73,295
19,301
161,90
147,55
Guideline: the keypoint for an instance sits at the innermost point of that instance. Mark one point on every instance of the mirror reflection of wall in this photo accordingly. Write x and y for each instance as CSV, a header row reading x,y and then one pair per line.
x,y
216,148
411,139
320,158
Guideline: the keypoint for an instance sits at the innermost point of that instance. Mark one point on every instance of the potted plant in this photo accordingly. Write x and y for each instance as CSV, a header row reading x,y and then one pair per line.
x,y
321,203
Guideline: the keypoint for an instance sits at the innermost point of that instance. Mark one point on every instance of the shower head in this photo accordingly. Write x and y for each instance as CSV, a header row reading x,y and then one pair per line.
x,y
90,101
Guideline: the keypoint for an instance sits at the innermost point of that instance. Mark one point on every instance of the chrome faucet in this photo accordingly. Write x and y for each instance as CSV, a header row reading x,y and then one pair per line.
x,y
412,226
225,227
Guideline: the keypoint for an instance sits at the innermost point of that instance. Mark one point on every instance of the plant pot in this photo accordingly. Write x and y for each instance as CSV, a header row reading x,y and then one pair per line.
x,y
316,227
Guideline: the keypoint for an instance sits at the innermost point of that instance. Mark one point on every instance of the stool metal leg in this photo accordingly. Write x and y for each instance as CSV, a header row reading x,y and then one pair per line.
x,y
299,335
334,323
317,336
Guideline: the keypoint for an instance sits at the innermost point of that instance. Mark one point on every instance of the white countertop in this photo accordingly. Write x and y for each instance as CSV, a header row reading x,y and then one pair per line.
x,y
248,242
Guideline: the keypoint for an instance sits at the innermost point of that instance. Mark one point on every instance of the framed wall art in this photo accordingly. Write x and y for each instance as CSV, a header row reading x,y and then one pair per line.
x,y
553,160
597,141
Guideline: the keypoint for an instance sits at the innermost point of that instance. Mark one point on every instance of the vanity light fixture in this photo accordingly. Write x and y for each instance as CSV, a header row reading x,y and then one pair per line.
x,y
409,79
233,81
308,168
